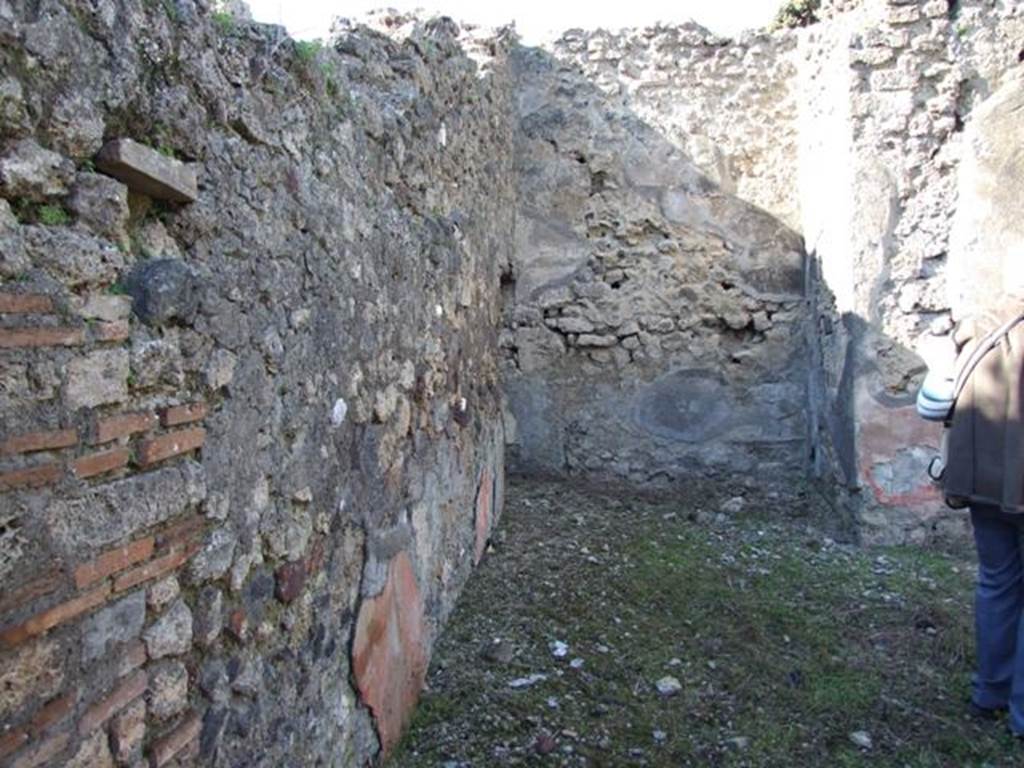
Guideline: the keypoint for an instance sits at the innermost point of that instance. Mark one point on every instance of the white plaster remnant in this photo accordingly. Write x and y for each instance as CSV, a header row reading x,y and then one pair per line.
x,y
339,412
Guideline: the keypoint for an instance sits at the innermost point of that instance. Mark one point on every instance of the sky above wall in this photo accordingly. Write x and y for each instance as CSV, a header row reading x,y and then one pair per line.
x,y
536,20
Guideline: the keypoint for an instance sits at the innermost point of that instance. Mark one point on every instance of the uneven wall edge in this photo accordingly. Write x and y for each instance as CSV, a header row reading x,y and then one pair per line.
x,y
251,443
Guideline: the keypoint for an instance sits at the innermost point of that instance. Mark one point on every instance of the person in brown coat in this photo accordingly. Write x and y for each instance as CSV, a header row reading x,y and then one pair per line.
x,y
985,471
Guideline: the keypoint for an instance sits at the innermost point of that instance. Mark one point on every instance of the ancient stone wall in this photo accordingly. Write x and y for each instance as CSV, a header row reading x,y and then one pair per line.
x,y
886,90
655,321
637,154
250,433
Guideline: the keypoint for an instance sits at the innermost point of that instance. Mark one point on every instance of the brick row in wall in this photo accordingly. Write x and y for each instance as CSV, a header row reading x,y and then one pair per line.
x,y
121,607
117,715
112,441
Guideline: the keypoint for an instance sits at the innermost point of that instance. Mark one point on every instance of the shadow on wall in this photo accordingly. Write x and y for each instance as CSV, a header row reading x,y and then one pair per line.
x,y
655,326
658,328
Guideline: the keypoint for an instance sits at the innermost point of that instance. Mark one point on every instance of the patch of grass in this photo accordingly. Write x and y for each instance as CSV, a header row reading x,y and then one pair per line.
x,y
224,22
784,645
53,216
797,13
117,289
308,50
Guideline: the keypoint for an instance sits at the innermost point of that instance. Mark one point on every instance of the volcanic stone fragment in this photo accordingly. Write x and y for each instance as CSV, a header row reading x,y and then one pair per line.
x,y
164,290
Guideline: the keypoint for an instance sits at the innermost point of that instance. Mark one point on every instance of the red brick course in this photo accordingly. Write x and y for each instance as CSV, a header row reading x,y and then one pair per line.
x,y
100,463
155,568
50,618
167,446
181,532
113,561
124,694
43,753
25,303
165,749
54,712
184,414
123,425
15,338
12,741
38,441
118,330
44,585
30,477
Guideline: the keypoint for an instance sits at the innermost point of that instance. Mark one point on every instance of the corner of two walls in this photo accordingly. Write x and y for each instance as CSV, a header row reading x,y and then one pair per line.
x,y
250,427
664,320
655,331
885,91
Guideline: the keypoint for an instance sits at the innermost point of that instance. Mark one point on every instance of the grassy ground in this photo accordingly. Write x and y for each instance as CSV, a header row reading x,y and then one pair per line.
x,y
785,645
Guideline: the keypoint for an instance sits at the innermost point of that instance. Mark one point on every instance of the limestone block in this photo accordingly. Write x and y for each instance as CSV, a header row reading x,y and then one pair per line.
x,y
103,306
163,592
208,616
168,689
148,172
214,559
171,635
114,511
102,204
97,378
30,172
93,753
35,669
117,623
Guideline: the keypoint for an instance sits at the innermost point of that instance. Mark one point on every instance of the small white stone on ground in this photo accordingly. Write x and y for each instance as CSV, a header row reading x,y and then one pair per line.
x,y
862,739
668,686
526,682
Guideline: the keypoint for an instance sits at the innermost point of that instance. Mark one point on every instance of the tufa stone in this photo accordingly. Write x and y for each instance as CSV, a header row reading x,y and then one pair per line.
x,y
171,635
97,379
116,624
148,172
168,689
32,173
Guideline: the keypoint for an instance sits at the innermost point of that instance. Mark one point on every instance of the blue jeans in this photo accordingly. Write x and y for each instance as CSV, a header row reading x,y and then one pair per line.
x,y
999,599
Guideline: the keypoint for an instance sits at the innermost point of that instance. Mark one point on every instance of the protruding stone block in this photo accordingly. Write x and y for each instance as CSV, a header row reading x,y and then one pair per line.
x,y
147,171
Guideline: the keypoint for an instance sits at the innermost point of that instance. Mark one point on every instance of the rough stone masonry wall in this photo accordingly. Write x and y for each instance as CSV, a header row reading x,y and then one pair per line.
x,y
886,88
849,132
250,445
655,322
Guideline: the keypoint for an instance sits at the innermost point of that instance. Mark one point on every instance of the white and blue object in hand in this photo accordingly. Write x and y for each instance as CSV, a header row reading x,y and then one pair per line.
x,y
936,397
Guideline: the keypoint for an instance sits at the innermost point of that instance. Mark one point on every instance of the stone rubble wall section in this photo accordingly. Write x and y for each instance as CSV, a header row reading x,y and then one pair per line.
x,y
654,322
849,132
729,105
232,429
887,88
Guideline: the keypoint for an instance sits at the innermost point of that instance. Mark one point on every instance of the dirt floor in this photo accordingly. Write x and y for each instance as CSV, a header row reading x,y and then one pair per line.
x,y
606,629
